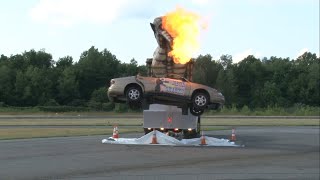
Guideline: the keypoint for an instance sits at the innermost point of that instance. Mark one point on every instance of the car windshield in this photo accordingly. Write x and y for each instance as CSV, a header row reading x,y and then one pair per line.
x,y
184,79
177,76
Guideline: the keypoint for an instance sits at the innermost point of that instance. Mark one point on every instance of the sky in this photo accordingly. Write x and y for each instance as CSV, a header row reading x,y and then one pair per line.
x,y
263,28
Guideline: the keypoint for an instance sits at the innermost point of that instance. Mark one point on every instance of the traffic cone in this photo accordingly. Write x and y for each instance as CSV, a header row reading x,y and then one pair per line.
x,y
233,135
203,140
115,134
154,138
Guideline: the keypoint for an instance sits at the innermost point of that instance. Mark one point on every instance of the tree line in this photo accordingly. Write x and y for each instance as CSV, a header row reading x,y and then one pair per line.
x,y
33,78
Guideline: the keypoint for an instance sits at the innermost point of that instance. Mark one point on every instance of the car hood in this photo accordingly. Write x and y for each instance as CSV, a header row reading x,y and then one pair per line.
x,y
201,86
125,78
214,93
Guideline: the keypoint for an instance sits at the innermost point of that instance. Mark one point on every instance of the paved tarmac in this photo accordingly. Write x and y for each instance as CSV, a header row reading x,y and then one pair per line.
x,y
269,153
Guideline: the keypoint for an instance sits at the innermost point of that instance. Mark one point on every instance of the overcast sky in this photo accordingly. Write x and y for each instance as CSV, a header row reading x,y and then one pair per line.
x,y
264,28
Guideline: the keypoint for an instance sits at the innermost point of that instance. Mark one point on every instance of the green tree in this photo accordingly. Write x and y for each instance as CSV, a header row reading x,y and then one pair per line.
x,y
280,72
64,62
38,88
34,78
226,83
250,76
68,86
100,95
303,88
225,61
39,59
7,78
270,95
95,69
206,70
20,85
98,98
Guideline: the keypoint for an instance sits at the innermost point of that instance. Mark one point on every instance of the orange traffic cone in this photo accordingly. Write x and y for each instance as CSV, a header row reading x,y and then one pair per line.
x,y
233,135
203,140
115,134
154,138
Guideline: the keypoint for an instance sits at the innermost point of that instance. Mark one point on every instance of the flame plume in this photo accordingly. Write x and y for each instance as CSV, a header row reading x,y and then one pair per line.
x,y
184,27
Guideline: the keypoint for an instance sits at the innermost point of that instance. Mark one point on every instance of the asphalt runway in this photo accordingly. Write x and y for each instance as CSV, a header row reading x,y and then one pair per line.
x,y
269,153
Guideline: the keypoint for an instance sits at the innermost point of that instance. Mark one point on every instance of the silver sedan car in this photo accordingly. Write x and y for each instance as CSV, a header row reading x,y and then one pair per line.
x,y
140,90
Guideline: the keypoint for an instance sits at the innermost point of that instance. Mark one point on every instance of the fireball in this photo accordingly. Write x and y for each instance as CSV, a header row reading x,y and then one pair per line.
x,y
185,28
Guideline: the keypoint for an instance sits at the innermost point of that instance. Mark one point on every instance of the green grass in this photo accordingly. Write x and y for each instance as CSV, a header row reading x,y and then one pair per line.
x,y
296,110
212,121
215,128
259,122
26,133
72,122
105,126
37,111
18,110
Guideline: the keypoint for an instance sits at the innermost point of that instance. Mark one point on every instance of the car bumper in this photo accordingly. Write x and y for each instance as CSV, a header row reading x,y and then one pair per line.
x,y
216,98
114,94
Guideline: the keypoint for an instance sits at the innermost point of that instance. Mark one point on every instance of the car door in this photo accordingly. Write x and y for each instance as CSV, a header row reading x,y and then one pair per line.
x,y
148,83
165,86
176,87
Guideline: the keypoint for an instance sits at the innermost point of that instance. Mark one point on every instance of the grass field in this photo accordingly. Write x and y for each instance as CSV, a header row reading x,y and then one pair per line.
x,y
260,122
139,122
25,133
35,128
295,110
73,122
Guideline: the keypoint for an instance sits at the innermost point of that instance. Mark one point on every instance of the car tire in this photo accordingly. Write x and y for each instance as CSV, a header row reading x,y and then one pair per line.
x,y
134,94
196,112
200,100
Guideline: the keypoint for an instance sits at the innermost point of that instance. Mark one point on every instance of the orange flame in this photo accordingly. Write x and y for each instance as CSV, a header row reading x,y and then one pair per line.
x,y
184,27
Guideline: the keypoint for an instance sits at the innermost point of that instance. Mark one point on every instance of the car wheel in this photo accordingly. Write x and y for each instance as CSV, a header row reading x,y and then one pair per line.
x,y
200,100
134,94
196,112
